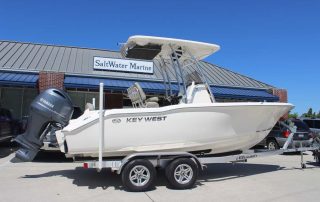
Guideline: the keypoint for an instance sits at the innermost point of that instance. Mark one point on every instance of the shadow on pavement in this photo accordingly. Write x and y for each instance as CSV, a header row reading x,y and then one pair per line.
x,y
313,163
43,156
228,171
7,148
106,179
51,157
85,177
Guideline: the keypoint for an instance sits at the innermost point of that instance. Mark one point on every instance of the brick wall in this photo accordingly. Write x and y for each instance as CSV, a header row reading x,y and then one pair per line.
x,y
50,80
281,93
283,97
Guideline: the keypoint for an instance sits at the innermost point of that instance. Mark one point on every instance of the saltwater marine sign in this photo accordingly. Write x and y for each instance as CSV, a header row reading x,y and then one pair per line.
x,y
123,65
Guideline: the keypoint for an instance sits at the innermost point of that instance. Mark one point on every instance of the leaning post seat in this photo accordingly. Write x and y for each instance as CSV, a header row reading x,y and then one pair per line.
x,y
139,98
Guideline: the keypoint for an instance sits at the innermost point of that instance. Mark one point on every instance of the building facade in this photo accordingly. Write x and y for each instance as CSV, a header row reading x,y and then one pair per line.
x,y
26,69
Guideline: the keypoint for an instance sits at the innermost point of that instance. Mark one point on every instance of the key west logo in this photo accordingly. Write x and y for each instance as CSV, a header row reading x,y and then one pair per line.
x,y
146,119
123,65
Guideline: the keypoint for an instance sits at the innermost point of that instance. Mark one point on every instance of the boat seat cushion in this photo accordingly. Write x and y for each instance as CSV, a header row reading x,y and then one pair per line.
x,y
153,99
140,90
152,104
139,98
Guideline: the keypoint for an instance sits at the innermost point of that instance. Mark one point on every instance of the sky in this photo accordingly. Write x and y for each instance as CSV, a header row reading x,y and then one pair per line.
x,y
273,41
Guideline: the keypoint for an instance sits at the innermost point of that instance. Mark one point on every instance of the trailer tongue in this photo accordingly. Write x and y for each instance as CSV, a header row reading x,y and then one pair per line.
x,y
51,106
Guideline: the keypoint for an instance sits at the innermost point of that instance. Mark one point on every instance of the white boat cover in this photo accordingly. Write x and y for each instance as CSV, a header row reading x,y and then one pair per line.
x,y
199,50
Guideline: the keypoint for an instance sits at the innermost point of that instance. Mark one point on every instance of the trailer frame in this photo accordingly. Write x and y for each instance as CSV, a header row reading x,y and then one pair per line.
x,y
159,159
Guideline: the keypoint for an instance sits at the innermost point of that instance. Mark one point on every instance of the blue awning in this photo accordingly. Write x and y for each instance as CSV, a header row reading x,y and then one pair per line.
x,y
111,84
243,93
158,87
18,79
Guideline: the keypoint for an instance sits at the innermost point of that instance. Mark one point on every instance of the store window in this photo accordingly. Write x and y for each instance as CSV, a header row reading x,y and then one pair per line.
x,y
29,95
89,98
17,100
80,98
113,101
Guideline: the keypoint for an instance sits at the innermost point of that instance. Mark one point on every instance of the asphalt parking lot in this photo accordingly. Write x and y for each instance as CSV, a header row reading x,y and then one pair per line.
x,y
53,178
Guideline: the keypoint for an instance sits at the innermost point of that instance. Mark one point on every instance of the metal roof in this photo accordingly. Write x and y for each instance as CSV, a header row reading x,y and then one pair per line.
x,y
22,56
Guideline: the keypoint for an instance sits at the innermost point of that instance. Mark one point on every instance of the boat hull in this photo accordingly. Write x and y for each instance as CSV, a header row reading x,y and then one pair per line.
x,y
214,128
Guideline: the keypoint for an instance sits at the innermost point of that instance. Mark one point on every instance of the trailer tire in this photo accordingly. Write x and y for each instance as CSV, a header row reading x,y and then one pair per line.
x,y
182,173
272,144
138,175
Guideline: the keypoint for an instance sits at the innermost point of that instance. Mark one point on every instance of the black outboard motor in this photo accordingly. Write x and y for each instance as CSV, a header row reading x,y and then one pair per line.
x,y
51,106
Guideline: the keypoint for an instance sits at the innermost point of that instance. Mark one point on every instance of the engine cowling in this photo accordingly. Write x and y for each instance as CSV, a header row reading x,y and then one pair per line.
x,y
51,106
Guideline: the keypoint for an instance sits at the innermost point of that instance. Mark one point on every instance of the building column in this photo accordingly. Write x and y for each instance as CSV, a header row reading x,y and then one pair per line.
x,y
50,80
283,97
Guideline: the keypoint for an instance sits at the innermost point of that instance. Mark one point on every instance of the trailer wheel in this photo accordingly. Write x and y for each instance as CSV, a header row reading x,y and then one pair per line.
x,y
272,144
138,175
182,173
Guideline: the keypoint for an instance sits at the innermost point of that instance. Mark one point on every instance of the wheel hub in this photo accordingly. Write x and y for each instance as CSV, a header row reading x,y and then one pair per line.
x,y
183,174
139,175
272,146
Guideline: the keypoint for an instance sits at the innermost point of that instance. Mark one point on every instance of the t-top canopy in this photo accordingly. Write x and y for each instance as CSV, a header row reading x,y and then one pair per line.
x,y
160,46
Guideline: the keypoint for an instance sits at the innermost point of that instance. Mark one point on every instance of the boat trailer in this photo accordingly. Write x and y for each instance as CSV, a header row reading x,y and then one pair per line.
x,y
182,168
138,170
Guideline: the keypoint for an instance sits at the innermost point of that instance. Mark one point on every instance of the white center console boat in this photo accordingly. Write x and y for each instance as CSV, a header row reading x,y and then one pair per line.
x,y
192,121
196,123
